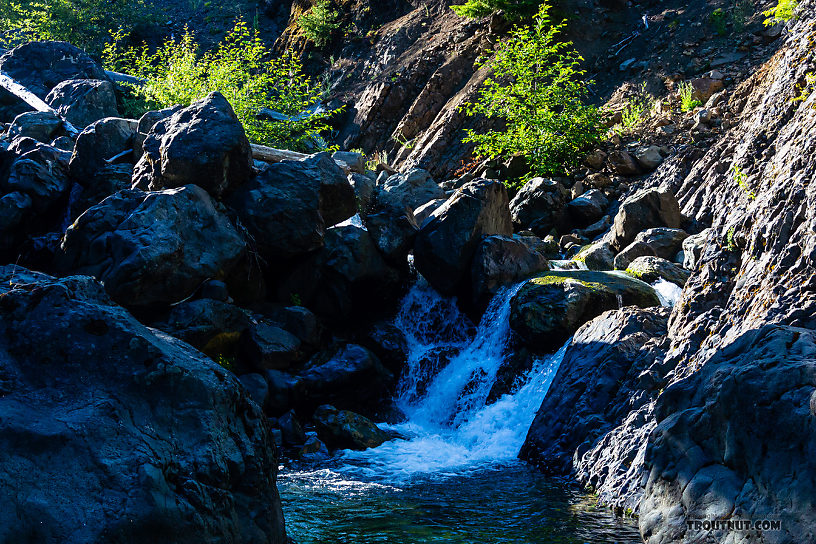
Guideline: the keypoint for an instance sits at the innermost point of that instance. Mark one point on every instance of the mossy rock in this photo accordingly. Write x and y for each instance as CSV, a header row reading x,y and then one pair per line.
x,y
548,309
651,269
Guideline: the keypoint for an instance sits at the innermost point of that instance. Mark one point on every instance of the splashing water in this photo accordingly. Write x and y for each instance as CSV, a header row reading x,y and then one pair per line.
x,y
450,426
667,292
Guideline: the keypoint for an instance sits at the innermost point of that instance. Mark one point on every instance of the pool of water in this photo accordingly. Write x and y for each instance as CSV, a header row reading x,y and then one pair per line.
x,y
507,503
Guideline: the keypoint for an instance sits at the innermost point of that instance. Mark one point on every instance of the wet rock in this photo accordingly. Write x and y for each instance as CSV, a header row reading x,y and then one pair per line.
x,y
144,262
539,206
412,189
580,427
265,346
448,240
597,256
500,261
281,392
288,205
733,441
313,449
550,308
351,378
342,429
290,427
109,403
643,210
83,101
388,343
204,144
651,269
587,208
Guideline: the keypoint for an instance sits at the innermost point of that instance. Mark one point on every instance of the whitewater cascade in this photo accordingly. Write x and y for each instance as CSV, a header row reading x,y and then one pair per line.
x,y
451,369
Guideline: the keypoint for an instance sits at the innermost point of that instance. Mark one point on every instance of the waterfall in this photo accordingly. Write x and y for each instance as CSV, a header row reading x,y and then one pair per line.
x,y
443,393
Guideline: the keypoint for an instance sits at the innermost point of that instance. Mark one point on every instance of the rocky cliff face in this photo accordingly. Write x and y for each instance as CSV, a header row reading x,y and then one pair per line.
x,y
732,410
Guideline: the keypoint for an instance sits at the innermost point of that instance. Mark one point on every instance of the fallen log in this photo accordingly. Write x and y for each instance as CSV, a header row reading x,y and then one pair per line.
x,y
34,101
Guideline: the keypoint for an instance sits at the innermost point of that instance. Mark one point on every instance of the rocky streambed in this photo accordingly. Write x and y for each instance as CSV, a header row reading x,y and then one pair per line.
x,y
177,320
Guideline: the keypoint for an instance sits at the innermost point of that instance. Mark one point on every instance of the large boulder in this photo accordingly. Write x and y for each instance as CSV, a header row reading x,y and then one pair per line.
x,y
599,383
38,170
448,240
212,326
98,144
43,126
643,210
735,441
587,208
693,247
347,278
343,429
83,101
289,205
652,269
350,378
412,189
500,261
597,256
393,231
548,309
203,144
41,66
539,206
152,248
266,346
114,432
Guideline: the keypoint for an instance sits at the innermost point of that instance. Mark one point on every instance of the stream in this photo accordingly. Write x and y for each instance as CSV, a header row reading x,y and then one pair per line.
x,y
455,476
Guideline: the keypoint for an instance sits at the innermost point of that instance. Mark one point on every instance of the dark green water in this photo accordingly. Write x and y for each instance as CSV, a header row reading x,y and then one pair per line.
x,y
508,503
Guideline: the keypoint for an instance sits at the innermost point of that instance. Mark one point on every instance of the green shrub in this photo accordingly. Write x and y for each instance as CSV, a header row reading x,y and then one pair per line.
x,y
241,68
687,101
319,23
782,12
742,180
637,107
535,87
84,23
512,9
718,21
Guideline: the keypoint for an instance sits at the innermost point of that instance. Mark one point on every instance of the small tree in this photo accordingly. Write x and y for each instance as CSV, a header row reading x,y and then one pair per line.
x,y
242,69
319,22
512,9
535,86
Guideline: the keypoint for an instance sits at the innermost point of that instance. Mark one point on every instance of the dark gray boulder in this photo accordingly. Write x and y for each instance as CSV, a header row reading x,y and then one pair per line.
x,y
99,144
41,66
643,210
347,278
266,346
548,309
212,326
651,269
735,440
343,429
539,206
204,144
83,101
412,189
289,205
351,378
630,253
597,256
38,170
587,208
43,126
393,231
114,432
611,369
448,240
500,261
152,248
